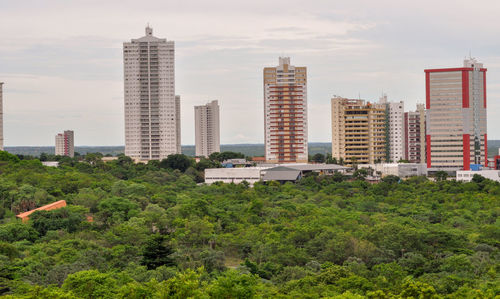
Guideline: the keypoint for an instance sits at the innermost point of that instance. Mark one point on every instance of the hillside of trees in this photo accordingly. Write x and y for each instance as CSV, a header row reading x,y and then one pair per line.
x,y
152,231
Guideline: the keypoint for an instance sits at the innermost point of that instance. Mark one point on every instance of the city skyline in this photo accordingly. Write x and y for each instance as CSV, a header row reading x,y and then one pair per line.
x,y
350,51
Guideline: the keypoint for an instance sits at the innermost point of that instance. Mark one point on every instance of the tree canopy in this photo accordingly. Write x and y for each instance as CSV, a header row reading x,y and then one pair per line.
x,y
150,231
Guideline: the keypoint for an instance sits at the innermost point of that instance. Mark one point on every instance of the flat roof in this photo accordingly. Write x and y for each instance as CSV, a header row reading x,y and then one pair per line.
x,y
51,206
281,173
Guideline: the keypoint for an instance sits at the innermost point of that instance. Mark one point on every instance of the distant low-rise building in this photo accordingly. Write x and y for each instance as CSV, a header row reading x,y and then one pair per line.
x,y
401,170
50,163
230,163
467,175
234,175
269,172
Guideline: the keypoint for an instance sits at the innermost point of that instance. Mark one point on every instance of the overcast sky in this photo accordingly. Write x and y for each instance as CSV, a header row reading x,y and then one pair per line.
x,y
62,65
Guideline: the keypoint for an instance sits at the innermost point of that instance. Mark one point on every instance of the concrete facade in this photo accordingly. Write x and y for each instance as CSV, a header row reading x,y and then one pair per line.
x,y
395,114
467,175
401,170
178,122
152,112
414,127
207,129
255,174
456,116
358,131
65,144
285,113
234,175
1,116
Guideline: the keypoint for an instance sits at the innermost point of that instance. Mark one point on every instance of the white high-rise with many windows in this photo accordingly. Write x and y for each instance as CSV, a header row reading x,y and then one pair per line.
x,y
395,129
152,117
207,129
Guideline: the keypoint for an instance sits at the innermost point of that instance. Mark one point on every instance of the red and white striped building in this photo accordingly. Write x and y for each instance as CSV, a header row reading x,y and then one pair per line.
x,y
285,113
456,116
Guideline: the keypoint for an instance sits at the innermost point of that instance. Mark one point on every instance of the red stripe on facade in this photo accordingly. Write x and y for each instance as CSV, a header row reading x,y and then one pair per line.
x,y
466,149
484,87
407,132
427,90
486,150
428,150
465,89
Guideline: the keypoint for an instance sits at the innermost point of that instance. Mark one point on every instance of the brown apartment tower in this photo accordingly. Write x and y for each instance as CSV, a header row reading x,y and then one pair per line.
x,y
285,113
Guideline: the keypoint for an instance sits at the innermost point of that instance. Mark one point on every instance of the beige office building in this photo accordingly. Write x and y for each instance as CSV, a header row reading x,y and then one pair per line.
x,y
207,129
65,144
152,112
456,134
285,113
358,131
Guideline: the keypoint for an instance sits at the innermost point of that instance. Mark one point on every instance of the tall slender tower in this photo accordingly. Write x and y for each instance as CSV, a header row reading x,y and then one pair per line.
x,y
151,112
207,129
285,113
1,116
414,127
178,122
396,134
456,116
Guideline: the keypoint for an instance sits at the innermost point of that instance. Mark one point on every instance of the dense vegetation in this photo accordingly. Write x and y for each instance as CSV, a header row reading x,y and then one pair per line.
x,y
250,150
149,231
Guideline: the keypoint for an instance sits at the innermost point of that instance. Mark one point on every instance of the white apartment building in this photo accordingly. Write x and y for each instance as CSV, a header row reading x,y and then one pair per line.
x,y
285,113
207,129
396,134
456,116
65,144
1,116
152,115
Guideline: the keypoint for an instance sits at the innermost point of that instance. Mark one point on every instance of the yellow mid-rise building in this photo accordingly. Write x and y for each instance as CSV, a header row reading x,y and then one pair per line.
x,y
358,131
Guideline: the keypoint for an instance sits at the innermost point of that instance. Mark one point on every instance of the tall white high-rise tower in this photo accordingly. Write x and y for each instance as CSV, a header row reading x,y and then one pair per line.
x,y
151,112
207,129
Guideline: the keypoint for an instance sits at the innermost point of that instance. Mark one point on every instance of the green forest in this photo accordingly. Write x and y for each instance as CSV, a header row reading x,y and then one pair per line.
x,y
155,231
